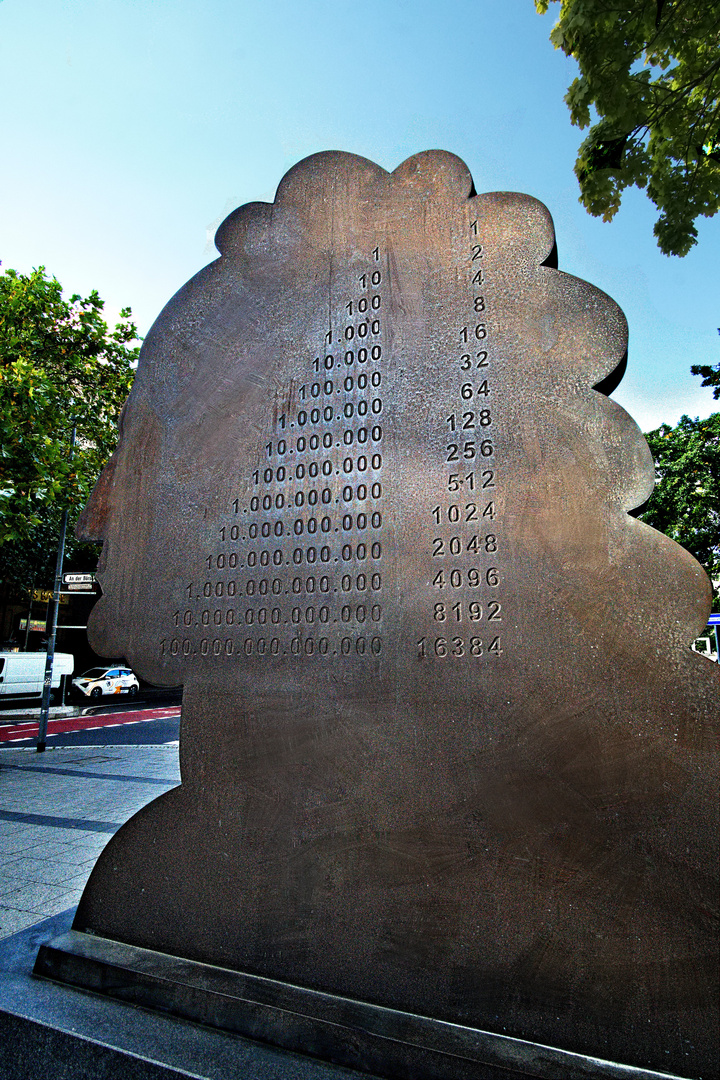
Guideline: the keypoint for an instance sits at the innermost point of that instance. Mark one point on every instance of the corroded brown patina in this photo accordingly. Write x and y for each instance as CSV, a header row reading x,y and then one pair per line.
x,y
444,746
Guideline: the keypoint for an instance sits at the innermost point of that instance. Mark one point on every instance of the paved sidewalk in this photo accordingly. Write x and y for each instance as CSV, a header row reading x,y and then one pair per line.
x,y
57,812
32,712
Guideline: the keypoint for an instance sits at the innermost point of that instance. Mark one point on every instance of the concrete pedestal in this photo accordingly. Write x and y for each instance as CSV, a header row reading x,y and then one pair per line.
x,y
89,1012
52,1030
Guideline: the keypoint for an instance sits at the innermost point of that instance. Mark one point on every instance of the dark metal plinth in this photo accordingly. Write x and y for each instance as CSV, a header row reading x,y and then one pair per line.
x,y
366,1037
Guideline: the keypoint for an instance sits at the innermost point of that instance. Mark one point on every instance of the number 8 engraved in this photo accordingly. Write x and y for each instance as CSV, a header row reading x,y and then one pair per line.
x,y
472,420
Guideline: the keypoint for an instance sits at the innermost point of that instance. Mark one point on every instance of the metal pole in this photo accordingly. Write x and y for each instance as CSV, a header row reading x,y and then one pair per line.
x,y
27,626
50,656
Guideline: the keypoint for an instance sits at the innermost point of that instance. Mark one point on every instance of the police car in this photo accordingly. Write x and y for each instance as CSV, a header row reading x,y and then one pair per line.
x,y
102,680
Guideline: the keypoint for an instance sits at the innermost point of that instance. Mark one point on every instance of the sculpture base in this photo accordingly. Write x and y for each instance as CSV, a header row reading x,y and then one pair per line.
x,y
48,1029
369,1038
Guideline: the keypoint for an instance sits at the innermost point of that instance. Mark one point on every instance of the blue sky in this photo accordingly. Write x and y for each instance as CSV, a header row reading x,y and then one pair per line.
x,y
130,128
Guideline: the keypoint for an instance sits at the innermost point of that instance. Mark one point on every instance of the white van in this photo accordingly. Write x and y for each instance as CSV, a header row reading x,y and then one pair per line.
x,y
22,674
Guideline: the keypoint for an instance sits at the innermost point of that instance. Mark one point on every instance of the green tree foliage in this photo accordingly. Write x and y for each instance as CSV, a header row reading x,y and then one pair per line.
x,y
685,504
650,69
60,366
710,375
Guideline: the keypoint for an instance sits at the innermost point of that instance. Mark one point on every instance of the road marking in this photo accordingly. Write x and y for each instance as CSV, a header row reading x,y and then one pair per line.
x,y
66,725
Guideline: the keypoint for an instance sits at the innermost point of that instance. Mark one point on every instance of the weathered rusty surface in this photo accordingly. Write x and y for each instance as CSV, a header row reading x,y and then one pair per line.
x,y
444,746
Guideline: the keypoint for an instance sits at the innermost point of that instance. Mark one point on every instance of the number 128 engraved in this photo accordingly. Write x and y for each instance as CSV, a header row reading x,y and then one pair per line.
x,y
465,547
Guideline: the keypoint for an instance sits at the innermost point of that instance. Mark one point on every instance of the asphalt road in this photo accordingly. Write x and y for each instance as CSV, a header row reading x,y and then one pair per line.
x,y
128,733
147,719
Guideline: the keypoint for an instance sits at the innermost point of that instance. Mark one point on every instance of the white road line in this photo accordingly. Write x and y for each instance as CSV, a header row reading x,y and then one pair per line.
x,y
94,727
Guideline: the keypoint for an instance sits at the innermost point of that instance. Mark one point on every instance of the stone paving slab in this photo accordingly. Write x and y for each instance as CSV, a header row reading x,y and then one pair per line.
x,y
57,812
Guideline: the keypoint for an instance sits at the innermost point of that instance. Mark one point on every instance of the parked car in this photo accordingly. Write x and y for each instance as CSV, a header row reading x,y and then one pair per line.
x,y
22,674
103,680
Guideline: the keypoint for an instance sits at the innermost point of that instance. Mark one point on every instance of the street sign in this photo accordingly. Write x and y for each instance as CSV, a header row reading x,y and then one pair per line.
x,y
714,620
75,582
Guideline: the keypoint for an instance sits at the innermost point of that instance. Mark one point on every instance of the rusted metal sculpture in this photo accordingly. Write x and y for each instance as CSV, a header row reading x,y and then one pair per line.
x,y
445,749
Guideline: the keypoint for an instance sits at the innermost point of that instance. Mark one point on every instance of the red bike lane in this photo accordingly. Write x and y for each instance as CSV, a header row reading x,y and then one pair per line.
x,y
29,729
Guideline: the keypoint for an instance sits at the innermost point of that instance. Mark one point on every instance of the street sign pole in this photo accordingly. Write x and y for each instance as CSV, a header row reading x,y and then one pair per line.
x,y
50,656
714,621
